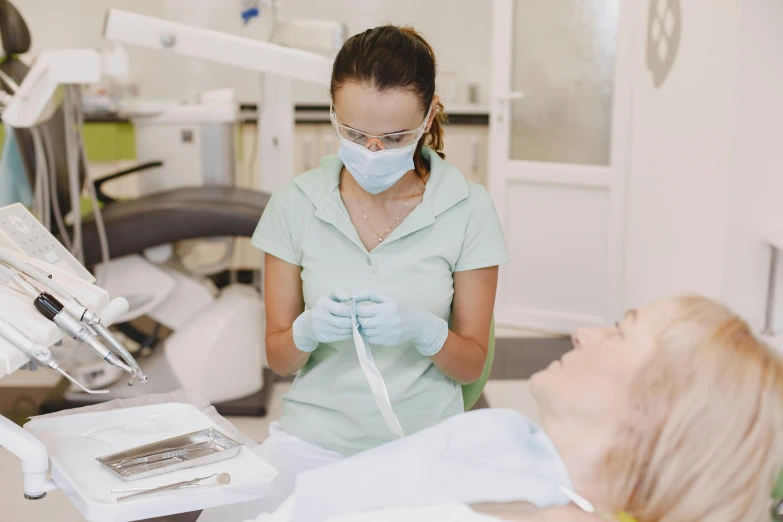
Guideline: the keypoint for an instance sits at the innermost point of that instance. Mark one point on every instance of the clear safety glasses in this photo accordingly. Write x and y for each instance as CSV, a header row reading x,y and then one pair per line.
x,y
396,140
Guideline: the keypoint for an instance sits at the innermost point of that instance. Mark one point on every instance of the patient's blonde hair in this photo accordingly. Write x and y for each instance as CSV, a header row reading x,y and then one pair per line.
x,y
704,441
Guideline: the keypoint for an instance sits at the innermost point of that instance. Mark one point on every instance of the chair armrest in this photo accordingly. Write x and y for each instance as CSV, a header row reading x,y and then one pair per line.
x,y
103,198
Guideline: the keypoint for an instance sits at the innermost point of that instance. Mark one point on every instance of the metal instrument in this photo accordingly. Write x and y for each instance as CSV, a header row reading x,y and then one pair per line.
x,y
185,451
220,480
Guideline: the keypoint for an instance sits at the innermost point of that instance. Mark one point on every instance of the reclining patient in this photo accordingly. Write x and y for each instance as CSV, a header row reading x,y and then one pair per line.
x,y
675,414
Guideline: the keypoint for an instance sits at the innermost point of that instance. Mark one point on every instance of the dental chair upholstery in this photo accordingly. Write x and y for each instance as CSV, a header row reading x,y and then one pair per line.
x,y
175,215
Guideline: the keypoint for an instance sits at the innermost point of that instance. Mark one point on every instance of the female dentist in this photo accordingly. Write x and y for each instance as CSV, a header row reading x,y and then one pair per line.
x,y
389,223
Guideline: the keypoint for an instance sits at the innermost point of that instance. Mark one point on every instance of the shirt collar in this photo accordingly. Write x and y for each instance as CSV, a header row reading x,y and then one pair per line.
x,y
445,188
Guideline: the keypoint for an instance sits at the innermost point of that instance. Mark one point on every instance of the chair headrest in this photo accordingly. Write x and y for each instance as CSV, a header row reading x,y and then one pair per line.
x,y
13,30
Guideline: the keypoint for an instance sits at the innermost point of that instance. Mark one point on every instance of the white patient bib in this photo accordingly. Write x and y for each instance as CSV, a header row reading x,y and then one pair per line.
x,y
484,455
374,377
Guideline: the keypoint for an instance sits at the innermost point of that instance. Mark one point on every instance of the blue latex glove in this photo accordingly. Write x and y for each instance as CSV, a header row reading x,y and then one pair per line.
x,y
328,321
386,323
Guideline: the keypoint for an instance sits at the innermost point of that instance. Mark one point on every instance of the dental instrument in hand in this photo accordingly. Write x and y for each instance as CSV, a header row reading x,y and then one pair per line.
x,y
40,354
220,480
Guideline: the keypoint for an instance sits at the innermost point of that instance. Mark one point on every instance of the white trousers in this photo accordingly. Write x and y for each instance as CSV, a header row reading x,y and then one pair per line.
x,y
290,455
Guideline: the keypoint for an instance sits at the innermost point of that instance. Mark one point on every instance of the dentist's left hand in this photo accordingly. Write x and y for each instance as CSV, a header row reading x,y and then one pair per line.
x,y
328,321
386,323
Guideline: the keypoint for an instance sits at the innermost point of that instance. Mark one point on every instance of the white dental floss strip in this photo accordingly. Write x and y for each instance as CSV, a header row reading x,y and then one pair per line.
x,y
374,377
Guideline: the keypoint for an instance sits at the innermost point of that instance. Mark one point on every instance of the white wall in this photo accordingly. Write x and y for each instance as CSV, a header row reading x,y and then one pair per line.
x,y
707,160
459,30
682,135
756,186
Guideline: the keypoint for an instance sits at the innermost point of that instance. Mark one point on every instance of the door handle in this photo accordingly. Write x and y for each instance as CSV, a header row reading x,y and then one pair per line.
x,y
503,99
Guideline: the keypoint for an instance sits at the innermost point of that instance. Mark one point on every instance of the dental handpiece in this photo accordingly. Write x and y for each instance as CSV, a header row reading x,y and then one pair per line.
x,y
53,310
69,319
92,319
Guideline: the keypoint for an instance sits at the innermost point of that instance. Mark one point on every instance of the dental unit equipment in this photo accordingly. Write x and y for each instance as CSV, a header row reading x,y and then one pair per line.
x,y
46,297
26,336
279,65
212,327
73,318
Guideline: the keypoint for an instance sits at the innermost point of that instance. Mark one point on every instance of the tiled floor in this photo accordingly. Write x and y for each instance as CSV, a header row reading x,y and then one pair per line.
x,y
507,389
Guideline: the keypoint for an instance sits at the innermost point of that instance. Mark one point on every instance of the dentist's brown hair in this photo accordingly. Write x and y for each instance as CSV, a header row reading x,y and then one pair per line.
x,y
392,57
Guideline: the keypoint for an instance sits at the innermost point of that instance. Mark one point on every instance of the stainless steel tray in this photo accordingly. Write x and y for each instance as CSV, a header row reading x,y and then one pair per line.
x,y
186,451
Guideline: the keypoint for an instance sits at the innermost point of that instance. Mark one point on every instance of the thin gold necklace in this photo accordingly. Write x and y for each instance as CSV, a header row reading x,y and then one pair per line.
x,y
380,236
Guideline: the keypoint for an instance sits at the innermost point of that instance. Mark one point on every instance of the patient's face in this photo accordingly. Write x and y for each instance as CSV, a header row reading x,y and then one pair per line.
x,y
593,380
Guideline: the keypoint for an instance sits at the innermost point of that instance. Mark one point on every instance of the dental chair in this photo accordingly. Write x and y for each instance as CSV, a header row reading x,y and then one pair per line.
x,y
217,342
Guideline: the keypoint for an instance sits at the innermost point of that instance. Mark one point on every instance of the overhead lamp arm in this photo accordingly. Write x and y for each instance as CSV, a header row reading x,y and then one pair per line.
x,y
206,44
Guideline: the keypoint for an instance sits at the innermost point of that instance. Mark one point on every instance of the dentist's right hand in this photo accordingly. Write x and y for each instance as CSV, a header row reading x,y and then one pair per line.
x,y
328,321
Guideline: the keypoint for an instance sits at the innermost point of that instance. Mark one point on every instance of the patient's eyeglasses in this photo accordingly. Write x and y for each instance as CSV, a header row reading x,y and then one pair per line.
x,y
395,140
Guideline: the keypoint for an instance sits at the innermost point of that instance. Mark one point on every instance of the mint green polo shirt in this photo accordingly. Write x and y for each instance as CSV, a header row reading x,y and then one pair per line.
x,y
455,228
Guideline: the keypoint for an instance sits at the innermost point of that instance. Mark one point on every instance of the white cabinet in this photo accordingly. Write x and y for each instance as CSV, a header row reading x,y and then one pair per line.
x,y
312,141
329,144
465,146
307,146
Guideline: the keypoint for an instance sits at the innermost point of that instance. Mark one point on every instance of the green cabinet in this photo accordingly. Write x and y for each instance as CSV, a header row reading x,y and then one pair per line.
x,y
104,141
109,141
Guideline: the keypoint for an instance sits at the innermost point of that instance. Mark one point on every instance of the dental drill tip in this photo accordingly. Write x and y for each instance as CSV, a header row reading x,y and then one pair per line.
x,y
138,375
113,359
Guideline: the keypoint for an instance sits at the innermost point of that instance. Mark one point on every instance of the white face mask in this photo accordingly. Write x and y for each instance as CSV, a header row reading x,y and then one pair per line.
x,y
376,171
380,170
